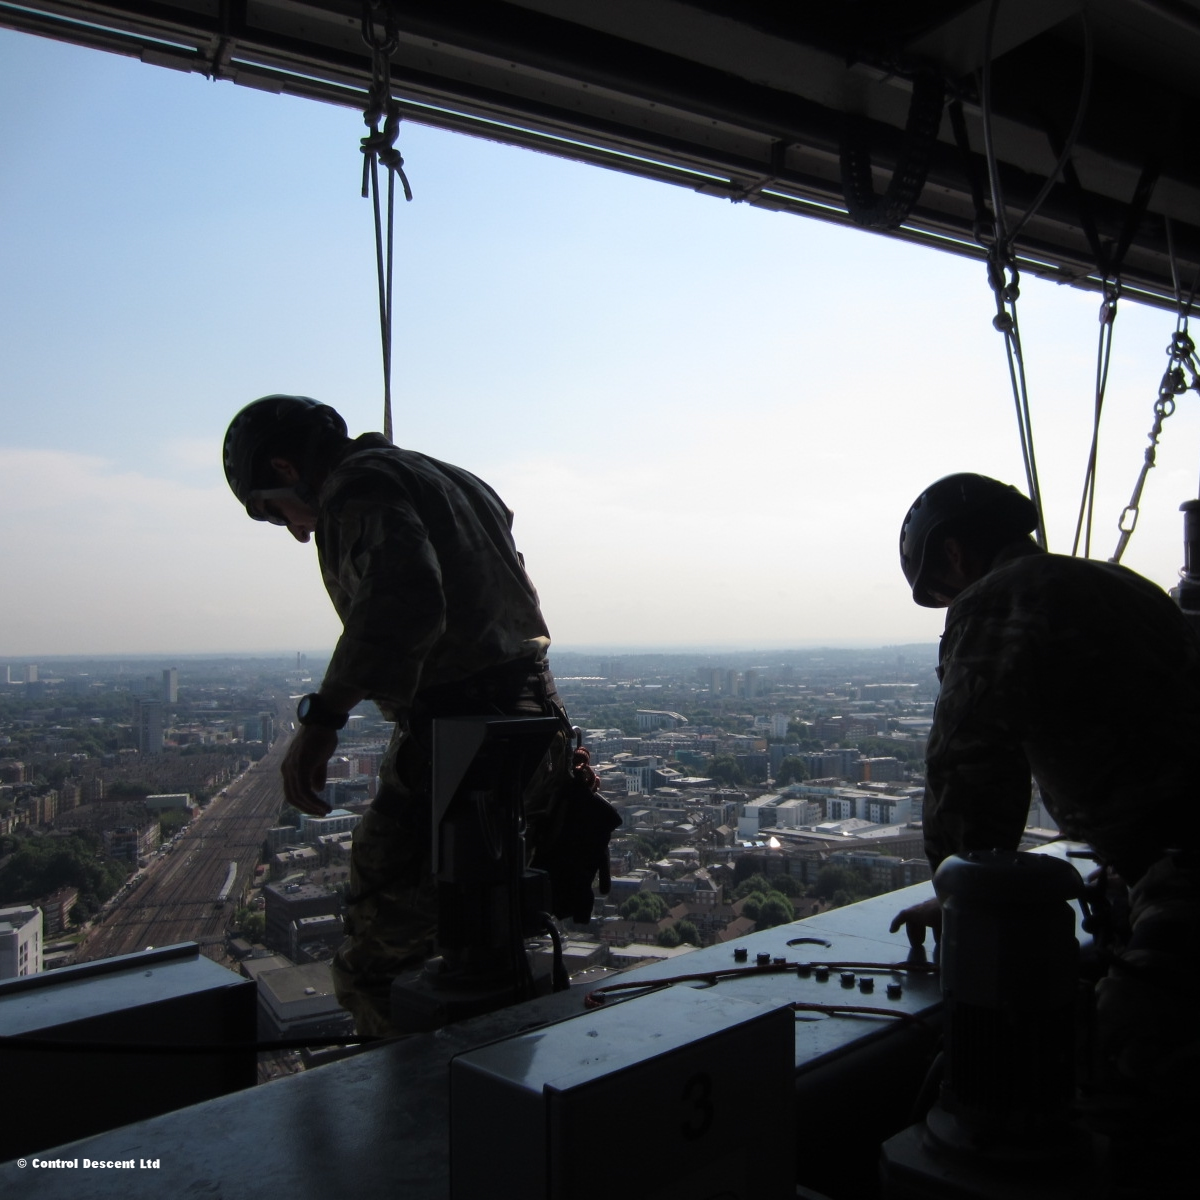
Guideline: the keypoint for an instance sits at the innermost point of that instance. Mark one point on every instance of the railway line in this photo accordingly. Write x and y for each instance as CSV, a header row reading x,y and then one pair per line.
x,y
176,898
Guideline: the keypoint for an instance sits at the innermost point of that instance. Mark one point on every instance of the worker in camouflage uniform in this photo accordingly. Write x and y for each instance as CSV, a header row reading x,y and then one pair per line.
x,y
439,620
1087,677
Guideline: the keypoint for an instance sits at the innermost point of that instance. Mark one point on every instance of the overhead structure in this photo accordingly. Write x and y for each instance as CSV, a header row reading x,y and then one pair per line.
x,y
867,112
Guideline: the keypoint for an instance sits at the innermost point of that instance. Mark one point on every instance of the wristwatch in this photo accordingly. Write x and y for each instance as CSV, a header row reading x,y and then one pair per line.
x,y
312,710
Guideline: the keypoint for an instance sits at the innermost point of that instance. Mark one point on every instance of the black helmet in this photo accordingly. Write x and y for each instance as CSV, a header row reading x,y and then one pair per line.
x,y
273,423
986,506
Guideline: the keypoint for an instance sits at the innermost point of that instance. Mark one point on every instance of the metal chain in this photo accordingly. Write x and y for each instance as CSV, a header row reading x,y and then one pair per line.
x,y
380,31
1181,359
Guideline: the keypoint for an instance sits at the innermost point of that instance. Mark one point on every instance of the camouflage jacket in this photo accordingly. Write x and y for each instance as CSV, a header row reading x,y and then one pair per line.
x,y
1083,674
419,561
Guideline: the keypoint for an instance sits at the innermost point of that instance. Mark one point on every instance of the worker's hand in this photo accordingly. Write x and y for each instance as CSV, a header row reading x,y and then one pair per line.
x,y
926,915
304,766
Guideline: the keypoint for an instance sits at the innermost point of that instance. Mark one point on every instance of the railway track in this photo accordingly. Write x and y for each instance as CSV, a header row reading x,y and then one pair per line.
x,y
175,899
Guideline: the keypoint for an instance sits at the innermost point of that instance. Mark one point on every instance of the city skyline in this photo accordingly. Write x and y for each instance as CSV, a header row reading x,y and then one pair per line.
x,y
708,419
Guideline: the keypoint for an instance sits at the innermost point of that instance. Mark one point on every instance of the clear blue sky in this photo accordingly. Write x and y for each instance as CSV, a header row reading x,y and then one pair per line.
x,y
709,419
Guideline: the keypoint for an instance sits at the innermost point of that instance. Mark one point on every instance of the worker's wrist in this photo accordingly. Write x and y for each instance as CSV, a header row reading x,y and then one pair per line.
x,y
320,710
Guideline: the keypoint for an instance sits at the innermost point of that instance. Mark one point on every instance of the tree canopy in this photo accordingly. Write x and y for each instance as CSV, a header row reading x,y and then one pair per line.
x,y
724,768
41,865
775,910
792,770
644,906
850,883
758,882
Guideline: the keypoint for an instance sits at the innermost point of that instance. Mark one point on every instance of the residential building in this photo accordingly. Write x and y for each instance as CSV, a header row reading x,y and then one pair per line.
x,y
56,910
287,903
148,725
20,941
648,718
300,1002
336,821
880,770
132,842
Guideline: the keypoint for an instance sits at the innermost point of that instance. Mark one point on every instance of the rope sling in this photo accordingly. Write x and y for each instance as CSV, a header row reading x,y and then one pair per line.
x,y
380,31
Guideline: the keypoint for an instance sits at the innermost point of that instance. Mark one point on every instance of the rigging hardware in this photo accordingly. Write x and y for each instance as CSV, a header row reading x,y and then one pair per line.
x,y
380,31
1181,359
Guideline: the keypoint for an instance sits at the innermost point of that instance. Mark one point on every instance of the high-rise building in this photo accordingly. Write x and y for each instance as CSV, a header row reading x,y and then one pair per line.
x,y
148,726
31,673
170,685
750,683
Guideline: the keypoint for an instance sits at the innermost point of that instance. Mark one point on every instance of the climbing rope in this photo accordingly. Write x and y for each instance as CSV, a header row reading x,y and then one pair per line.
x,y
1087,502
1181,361
380,31
1005,281
1109,256
1003,275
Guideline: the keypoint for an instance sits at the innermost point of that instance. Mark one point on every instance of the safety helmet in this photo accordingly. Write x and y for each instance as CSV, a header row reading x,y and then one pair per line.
x,y
983,505
264,425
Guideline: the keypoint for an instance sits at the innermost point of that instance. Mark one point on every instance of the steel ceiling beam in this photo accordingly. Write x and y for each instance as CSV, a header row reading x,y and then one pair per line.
x,y
745,100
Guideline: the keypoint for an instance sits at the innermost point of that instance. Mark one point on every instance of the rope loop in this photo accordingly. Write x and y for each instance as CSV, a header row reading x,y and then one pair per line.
x,y
387,38
381,33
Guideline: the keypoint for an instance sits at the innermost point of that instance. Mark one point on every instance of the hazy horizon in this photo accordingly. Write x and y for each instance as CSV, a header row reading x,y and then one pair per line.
x,y
324,652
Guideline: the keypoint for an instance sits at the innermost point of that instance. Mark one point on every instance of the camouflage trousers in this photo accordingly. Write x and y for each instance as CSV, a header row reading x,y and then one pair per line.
x,y
1146,1005
391,918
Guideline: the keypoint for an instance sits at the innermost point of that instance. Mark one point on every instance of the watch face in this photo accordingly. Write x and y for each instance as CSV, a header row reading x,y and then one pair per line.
x,y
304,708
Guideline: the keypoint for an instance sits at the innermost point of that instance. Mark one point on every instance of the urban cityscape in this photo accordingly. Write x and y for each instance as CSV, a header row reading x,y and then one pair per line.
x,y
141,805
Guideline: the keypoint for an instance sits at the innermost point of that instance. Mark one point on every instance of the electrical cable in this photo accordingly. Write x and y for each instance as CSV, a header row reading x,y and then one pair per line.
x,y
599,996
60,1045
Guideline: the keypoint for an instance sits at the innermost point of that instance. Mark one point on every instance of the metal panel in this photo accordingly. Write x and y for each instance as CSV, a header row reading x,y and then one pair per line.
x,y
172,996
538,1106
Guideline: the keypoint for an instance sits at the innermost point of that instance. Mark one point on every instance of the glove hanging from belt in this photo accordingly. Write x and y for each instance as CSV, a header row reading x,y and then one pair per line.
x,y
578,852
